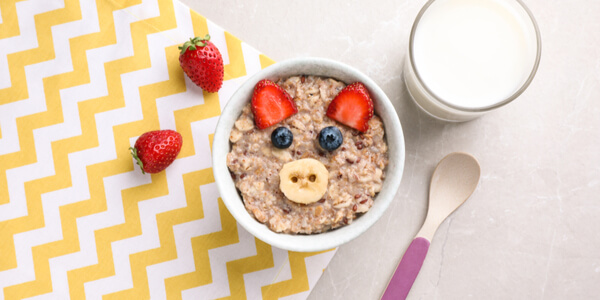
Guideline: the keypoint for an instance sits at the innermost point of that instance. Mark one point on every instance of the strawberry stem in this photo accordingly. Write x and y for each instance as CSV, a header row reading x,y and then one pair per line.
x,y
137,158
193,43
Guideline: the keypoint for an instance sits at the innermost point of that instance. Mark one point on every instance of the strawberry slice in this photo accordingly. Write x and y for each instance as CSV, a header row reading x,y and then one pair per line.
x,y
352,107
271,104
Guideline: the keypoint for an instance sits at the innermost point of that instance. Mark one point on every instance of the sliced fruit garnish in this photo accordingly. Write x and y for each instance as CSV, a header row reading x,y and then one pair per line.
x,y
304,181
271,104
352,107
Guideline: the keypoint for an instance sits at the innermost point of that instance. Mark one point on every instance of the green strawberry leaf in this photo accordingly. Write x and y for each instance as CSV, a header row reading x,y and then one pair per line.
x,y
137,158
194,43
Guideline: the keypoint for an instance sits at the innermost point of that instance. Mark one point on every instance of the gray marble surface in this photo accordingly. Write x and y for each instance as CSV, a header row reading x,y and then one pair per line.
x,y
532,228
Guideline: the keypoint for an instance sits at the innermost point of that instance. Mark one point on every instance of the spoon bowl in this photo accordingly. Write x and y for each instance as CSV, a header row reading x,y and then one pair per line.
x,y
452,183
454,180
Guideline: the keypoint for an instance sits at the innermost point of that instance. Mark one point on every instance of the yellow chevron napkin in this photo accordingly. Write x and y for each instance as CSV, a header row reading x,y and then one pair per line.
x,y
80,80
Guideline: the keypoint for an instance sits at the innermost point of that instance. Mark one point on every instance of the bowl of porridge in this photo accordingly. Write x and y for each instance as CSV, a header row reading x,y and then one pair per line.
x,y
308,182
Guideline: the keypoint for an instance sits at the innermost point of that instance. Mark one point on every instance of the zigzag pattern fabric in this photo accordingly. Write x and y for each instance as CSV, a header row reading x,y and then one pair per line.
x,y
80,80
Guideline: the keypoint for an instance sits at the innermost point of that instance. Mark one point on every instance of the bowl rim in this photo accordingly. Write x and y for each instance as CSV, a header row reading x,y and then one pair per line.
x,y
321,241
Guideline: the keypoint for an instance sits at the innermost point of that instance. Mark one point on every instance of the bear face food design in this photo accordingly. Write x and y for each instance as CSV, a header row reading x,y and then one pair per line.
x,y
304,188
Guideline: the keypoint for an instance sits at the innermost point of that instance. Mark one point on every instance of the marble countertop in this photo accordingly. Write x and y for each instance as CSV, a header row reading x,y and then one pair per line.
x,y
531,230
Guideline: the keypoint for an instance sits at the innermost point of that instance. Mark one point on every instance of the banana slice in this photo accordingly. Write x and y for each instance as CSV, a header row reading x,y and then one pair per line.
x,y
304,181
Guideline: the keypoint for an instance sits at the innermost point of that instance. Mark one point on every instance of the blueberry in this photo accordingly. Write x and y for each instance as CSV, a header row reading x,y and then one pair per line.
x,y
330,138
282,137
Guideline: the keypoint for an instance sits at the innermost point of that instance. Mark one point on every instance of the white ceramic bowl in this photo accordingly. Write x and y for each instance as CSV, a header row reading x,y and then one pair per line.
x,y
321,241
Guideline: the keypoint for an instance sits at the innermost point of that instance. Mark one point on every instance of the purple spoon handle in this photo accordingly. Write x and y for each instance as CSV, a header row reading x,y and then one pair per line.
x,y
407,270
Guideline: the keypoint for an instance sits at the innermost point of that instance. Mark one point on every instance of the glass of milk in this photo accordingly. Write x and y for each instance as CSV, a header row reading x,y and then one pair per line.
x,y
468,57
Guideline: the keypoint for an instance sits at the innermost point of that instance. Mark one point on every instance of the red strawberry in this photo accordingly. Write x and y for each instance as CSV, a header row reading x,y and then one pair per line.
x,y
271,104
202,62
156,150
352,107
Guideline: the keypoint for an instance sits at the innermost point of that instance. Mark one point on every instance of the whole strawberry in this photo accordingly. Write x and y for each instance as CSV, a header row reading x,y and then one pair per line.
x,y
202,62
156,150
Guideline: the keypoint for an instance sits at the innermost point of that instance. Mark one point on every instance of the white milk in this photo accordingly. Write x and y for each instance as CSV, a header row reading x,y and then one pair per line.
x,y
472,55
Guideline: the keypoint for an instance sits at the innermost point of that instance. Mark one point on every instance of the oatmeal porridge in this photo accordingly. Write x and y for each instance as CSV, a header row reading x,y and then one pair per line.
x,y
356,169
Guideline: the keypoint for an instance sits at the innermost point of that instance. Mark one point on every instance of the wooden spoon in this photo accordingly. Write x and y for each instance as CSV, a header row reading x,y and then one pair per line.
x,y
454,180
